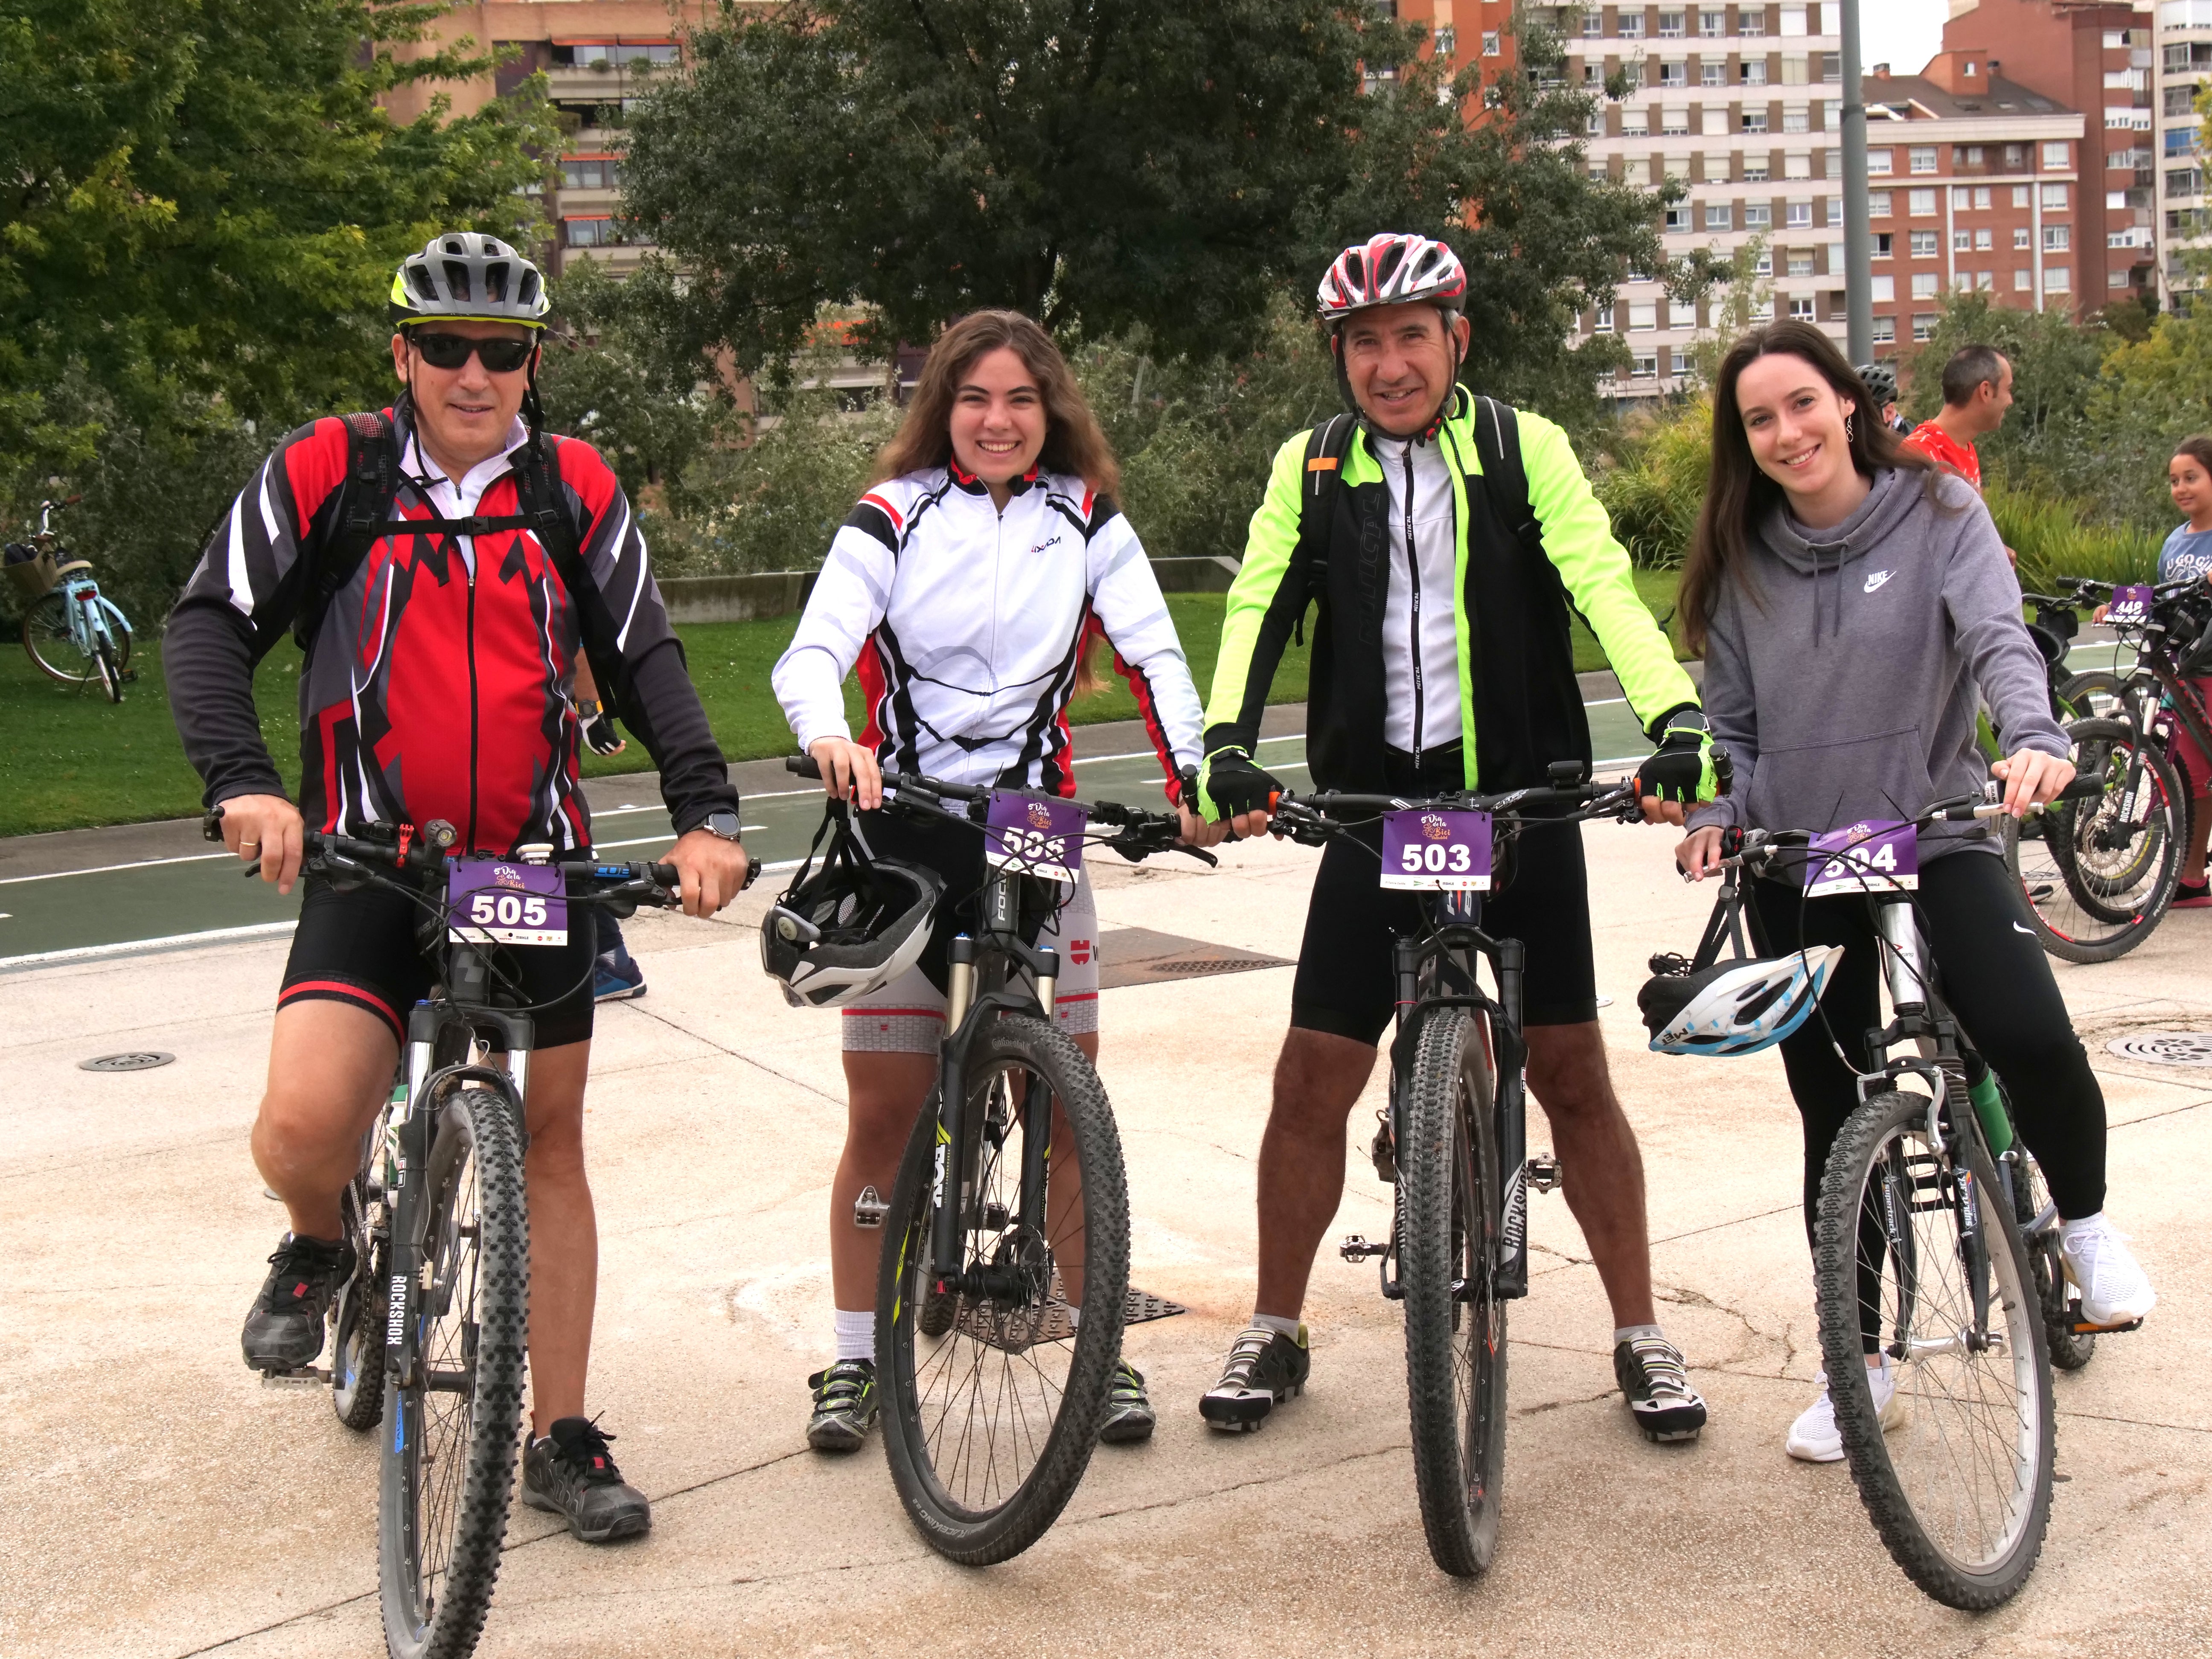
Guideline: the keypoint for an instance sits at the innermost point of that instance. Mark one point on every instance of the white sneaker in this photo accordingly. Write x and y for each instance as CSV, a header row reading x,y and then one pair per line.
x,y
1815,1438
2114,1287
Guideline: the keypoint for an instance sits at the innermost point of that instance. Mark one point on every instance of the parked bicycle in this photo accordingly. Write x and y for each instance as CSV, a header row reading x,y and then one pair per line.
x,y
1934,1244
1454,1138
74,633
1001,1297
429,1335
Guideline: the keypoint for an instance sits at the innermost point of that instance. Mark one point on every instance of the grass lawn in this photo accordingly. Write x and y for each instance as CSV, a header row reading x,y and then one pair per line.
x,y
73,760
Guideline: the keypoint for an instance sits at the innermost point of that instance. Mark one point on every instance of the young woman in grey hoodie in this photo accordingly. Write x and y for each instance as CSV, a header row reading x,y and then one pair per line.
x,y
1848,599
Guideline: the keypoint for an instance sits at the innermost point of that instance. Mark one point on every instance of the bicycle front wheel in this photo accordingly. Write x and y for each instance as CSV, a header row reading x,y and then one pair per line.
x,y
2099,874
994,1393
1918,1256
452,1425
1448,1250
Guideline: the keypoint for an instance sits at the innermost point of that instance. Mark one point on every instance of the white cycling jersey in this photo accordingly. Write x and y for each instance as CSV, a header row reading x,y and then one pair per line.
x,y
966,624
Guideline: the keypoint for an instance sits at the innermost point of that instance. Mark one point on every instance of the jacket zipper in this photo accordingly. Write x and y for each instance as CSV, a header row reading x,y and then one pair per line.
x,y
1413,577
471,565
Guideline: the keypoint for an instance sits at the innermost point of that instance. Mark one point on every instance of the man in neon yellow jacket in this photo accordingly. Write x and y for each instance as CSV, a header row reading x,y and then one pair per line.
x,y
1444,539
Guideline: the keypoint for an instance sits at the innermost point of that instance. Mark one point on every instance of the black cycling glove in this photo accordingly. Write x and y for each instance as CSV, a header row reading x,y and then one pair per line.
x,y
1682,770
1230,783
599,729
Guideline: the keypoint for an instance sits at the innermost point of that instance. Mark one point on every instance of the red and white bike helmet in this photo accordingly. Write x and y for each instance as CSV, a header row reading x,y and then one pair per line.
x,y
1395,268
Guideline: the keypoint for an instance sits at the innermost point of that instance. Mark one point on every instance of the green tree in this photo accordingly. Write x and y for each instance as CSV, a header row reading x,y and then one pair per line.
x,y
2150,395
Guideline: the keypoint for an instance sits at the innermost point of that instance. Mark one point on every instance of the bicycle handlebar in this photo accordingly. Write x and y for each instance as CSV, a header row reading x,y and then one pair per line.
x,y
425,853
1737,843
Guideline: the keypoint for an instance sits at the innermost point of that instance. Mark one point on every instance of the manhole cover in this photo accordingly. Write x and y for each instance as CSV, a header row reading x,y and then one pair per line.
x,y
2165,1047
1016,1330
143,1059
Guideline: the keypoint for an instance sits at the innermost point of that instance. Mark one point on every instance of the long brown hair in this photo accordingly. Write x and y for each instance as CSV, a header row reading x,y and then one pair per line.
x,y
1074,443
1738,495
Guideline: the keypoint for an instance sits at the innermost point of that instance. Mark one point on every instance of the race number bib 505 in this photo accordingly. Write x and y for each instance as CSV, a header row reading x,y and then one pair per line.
x,y
1035,835
2130,606
1877,856
1428,851
505,902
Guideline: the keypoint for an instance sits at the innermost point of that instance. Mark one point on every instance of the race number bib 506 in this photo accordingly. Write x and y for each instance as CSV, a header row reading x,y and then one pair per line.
x,y
505,902
1428,851
1035,835
1877,856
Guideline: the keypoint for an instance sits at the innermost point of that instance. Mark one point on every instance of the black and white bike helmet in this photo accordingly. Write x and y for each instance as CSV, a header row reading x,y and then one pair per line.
x,y
1735,1007
849,926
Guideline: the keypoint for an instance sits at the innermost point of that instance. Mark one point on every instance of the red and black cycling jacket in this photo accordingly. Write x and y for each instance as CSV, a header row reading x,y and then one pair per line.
x,y
429,690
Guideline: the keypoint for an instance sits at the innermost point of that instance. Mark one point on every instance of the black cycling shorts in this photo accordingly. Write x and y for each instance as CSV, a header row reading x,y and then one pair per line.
x,y
1344,984
360,947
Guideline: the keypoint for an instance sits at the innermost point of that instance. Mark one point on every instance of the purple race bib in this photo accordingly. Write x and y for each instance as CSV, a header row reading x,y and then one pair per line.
x,y
1876,856
505,902
1036,835
2131,607
1431,851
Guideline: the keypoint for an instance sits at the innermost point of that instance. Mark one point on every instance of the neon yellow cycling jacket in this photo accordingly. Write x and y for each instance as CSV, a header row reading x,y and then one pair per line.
x,y
1520,708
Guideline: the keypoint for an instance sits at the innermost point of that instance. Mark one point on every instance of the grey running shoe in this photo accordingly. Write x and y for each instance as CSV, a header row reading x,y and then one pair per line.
x,y
1265,1368
1656,1386
844,1405
284,1331
571,1474
1129,1414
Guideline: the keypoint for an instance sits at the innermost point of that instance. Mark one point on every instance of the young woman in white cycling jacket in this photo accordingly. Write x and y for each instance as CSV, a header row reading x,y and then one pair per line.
x,y
966,588
1848,599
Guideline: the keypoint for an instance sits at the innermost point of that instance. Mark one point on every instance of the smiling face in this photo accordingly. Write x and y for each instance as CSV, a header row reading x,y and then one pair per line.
x,y
1794,421
462,414
2192,489
1399,359
998,421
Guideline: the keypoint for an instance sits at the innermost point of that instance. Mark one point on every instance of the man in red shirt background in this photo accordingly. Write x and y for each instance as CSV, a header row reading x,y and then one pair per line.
x,y
1976,392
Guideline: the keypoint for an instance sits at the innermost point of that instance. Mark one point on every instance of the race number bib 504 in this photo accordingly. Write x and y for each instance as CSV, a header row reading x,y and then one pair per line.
x,y
2130,606
505,902
1877,856
1035,835
1428,851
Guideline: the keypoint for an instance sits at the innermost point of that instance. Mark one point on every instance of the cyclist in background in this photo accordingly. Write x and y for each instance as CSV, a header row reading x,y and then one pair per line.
x,y
1881,380
435,684
1452,668
2188,552
1976,392
1848,598
967,588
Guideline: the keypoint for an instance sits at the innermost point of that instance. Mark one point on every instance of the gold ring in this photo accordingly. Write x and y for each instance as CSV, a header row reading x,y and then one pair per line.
x,y
249,847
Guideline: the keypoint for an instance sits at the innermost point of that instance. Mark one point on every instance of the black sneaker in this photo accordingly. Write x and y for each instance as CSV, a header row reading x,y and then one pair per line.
x,y
1129,1414
1656,1386
844,1405
284,1331
570,1473
1265,1368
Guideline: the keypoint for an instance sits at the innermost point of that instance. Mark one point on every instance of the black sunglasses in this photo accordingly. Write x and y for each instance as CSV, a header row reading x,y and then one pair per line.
x,y
501,356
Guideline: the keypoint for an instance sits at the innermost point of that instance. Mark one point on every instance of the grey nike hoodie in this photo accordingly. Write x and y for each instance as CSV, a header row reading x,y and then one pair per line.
x,y
1841,666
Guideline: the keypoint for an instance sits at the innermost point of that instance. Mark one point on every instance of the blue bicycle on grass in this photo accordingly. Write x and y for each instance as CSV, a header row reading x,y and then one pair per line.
x,y
75,634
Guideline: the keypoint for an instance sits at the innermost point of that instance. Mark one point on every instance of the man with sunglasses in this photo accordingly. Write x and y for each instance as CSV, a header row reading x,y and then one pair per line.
x,y
435,684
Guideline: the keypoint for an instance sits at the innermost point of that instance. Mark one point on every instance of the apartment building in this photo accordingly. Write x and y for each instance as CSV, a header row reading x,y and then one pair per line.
x,y
2182,64
1974,184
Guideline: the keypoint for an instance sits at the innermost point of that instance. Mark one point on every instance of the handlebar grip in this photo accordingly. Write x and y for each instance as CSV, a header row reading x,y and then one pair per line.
x,y
211,824
805,766
666,875
1724,771
1274,799
2086,788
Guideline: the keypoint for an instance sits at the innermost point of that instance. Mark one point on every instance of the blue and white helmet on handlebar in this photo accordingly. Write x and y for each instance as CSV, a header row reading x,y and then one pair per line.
x,y
1736,1007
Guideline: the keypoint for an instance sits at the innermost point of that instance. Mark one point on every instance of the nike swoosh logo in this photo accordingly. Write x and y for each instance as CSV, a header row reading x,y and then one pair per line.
x,y
1878,578
2017,928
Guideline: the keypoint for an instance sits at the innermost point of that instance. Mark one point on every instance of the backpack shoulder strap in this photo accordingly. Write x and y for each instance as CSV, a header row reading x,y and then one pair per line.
x,y
1498,438
538,496
1327,445
372,481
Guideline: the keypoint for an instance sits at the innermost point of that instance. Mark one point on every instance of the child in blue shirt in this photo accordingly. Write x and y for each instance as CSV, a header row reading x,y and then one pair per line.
x,y
2188,552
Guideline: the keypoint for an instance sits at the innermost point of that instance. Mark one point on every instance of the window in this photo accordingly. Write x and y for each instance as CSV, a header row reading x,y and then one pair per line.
x,y
1923,325
1712,74
2185,181
1925,284
1670,26
1763,311
1593,76
1974,154
1793,20
1924,244
1962,242
1922,203
1754,169
1885,289
1885,331
2015,157
2054,198
1983,241
1758,216
1643,316
1593,25
1961,197
1981,198
2116,279
1963,280
1878,204
1678,218
1712,24
1800,309
1750,19
1490,42
1924,158
1604,323
1831,69
1447,41
1644,366
1834,169
1674,121
1984,280
1798,215
1597,171
2020,196
2181,101
1800,261
1719,215
2023,281
1796,70
1754,121
591,172
606,54
1795,118
1752,72
1636,122
1674,75
2057,238
590,233
1883,244
1796,167
1878,163
1631,24
2058,279
1631,78
2059,155
1678,362
1636,170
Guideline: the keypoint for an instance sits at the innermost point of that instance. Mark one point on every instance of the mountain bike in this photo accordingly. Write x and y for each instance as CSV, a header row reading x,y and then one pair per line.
x,y
429,1335
1933,1245
74,633
1453,1142
1001,1299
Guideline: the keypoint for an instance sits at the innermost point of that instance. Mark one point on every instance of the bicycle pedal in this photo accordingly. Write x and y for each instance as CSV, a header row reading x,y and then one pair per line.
x,y
2082,1327
1356,1248
307,1377
869,1208
1542,1174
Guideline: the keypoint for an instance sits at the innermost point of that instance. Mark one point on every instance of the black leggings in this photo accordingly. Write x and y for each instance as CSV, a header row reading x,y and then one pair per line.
x,y
1994,978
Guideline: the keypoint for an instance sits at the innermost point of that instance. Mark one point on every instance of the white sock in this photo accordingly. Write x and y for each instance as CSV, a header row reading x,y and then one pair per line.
x,y
1630,1333
1277,1323
856,1334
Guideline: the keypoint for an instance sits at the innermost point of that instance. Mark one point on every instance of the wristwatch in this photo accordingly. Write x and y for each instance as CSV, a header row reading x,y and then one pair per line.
x,y
722,823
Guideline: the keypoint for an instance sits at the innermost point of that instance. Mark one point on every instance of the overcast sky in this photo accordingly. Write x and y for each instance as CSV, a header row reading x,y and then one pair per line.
x,y
1902,33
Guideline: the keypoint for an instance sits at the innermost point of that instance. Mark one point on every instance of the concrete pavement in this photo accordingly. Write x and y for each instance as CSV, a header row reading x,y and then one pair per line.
x,y
166,1504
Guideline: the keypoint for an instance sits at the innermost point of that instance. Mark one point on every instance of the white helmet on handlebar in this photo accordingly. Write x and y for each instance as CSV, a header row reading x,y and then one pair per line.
x,y
1736,1007
849,927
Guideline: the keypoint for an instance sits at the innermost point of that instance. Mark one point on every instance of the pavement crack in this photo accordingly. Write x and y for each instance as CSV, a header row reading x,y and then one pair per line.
x,y
697,1036
1237,1485
1559,1405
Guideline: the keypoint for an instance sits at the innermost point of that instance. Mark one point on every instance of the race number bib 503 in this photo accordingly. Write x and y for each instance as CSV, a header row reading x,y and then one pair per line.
x,y
2130,606
505,902
1877,856
1436,852
1035,835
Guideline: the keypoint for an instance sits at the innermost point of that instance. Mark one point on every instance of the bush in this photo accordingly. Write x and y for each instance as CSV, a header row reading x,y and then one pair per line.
x,y
2053,538
1654,480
